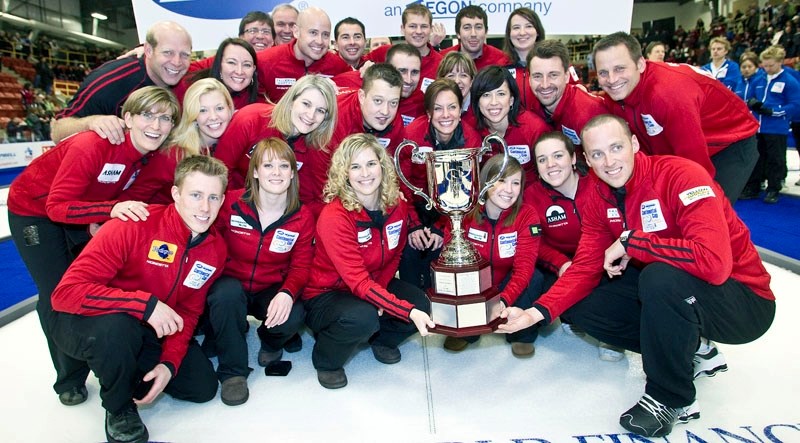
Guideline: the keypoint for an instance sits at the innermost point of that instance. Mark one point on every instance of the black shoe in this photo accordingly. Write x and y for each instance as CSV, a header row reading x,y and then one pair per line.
x,y
650,418
126,426
748,194
771,197
385,354
295,344
74,396
332,379
455,344
267,355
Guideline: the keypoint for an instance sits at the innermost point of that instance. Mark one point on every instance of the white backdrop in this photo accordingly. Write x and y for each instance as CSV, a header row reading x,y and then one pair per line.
x,y
209,21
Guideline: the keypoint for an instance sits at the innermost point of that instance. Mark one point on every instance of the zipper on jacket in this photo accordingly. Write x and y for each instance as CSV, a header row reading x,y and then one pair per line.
x,y
184,259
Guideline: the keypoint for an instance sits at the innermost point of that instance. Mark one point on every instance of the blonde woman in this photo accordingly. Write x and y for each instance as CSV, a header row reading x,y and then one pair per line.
x,y
207,110
304,118
352,295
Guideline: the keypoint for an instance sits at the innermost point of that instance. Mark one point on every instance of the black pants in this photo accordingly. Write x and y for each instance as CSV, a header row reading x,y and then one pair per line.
x,y
415,266
228,305
120,350
771,163
661,312
734,165
341,321
47,249
525,300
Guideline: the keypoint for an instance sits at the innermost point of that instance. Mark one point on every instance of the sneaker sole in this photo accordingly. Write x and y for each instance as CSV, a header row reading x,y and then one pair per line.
x,y
711,372
144,439
683,419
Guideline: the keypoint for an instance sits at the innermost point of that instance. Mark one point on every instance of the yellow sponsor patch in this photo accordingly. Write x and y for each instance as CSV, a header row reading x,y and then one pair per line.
x,y
162,251
692,195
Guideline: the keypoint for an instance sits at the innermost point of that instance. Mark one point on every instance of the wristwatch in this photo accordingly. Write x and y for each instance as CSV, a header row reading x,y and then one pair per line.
x,y
623,238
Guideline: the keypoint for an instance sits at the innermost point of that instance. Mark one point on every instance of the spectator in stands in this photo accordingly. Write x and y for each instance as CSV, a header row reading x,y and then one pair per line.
x,y
44,76
724,70
13,129
96,105
27,95
655,51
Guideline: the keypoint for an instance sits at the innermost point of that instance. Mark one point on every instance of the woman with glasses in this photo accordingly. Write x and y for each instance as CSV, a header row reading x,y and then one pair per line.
x,y
207,111
76,183
235,67
304,118
352,296
497,109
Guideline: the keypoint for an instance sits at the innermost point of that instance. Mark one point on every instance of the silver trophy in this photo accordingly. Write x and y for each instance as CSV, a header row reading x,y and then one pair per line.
x,y
463,300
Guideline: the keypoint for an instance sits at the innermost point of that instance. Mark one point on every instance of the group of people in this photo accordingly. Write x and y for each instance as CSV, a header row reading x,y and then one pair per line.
x,y
176,204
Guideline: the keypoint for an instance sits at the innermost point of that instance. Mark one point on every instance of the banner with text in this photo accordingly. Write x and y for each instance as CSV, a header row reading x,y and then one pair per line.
x,y
210,21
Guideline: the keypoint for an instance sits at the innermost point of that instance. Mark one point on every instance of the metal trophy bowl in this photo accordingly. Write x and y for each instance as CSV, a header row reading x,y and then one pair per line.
x,y
463,300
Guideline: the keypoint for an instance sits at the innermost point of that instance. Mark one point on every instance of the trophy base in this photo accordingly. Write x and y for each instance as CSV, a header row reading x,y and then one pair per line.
x,y
469,331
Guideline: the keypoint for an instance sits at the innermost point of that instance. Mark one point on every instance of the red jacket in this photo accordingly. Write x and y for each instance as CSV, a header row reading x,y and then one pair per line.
x,y
428,67
154,183
261,256
509,249
351,121
251,125
523,77
347,82
490,56
561,221
278,69
675,212
355,254
520,139
77,182
677,110
412,107
573,111
128,267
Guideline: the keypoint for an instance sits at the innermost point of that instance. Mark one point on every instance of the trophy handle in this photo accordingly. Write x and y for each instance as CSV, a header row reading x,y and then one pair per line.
x,y
486,147
417,190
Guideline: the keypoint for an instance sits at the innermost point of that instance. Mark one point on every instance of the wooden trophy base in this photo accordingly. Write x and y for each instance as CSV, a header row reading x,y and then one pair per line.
x,y
463,301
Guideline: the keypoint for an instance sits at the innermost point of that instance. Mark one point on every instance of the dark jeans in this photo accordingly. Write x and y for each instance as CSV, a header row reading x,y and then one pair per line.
x,y
228,305
341,321
771,163
415,266
525,300
734,165
661,312
120,350
47,249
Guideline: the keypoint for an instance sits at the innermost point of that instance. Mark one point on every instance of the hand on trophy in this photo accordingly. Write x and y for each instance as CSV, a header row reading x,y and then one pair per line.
x,y
422,321
424,239
518,319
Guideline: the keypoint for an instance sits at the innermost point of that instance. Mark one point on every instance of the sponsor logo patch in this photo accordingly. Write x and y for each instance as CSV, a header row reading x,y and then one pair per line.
x,y
283,241
285,81
238,222
520,152
393,233
478,235
111,173
651,125
555,214
690,196
162,251
198,275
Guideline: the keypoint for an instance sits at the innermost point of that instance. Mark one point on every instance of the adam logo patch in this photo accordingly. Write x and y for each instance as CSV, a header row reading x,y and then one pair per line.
x,y
111,173
162,251
555,214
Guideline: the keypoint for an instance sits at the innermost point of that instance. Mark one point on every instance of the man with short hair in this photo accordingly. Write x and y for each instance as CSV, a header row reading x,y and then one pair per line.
x,y
417,26
256,28
681,270
97,103
350,41
284,17
678,110
472,24
565,106
373,109
279,67
129,304
722,69
407,60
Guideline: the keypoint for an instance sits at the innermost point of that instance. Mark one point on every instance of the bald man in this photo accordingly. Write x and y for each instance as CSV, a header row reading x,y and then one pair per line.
x,y
97,104
279,67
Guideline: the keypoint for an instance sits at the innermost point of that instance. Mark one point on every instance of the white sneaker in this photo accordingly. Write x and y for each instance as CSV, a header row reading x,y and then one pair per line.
x,y
691,412
708,360
574,330
610,353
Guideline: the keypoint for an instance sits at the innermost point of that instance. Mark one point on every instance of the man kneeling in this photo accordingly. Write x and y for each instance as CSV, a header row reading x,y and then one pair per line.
x,y
129,303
